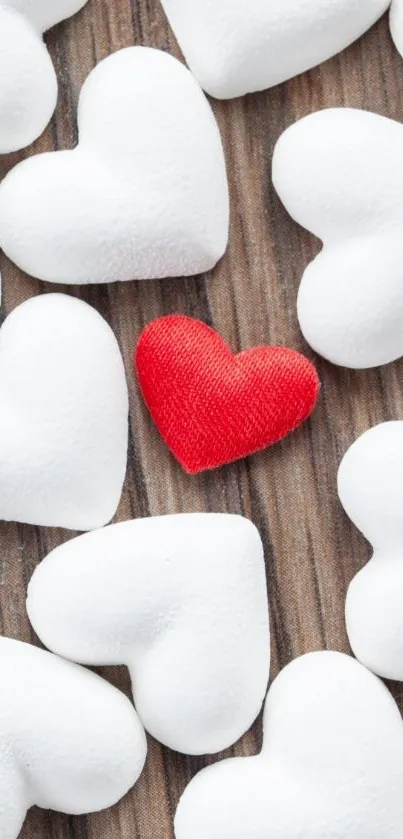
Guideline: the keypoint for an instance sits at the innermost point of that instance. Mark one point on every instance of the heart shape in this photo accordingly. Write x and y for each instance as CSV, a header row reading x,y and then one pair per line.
x,y
28,84
63,418
69,740
239,46
331,763
370,485
182,601
143,195
212,407
339,173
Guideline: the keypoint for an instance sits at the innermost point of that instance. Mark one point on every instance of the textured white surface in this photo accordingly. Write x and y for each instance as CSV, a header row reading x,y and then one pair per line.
x,y
396,24
28,85
182,601
331,764
143,195
239,46
63,417
339,173
370,484
69,740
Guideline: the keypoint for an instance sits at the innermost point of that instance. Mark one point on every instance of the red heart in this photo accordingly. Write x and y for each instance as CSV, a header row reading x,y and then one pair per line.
x,y
211,406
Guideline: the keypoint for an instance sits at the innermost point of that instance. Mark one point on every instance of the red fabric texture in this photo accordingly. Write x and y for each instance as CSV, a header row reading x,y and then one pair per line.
x,y
213,407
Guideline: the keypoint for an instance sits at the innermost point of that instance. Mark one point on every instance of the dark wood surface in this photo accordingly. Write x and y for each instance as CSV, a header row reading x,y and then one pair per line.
x,y
312,550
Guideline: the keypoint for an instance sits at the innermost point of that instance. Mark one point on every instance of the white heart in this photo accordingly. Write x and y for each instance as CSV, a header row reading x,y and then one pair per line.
x,y
143,195
339,173
396,23
69,740
28,84
239,46
181,600
371,490
63,418
331,765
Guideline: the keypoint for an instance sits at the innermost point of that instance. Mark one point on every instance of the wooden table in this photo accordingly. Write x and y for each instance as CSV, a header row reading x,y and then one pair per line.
x,y
312,550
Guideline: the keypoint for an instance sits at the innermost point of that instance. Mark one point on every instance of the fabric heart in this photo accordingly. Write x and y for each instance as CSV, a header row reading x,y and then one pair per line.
x,y
28,84
238,46
339,173
63,417
331,765
212,407
143,195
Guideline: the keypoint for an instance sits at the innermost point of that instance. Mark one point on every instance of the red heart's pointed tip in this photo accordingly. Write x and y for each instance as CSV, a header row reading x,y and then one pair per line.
x,y
213,407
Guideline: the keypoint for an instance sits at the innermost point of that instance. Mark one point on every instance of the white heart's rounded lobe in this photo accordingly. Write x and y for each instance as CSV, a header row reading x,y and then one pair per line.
x,y
63,417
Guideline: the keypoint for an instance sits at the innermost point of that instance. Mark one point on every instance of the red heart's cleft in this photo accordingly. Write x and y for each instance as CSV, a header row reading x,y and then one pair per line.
x,y
213,407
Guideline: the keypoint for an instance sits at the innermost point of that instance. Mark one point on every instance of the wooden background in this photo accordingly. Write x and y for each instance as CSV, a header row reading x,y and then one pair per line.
x,y
312,550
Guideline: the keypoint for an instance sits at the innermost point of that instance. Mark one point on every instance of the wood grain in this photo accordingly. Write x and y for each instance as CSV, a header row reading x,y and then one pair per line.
x,y
312,550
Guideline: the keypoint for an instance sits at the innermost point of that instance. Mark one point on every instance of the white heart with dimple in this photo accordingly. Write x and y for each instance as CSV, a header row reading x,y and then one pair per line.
x,y
69,740
182,601
28,84
239,46
143,195
331,766
63,416
370,484
339,173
